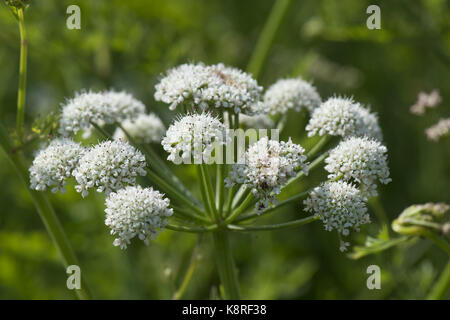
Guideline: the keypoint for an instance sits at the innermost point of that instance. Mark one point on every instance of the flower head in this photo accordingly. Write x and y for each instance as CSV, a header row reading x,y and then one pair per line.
x,y
361,160
291,94
340,206
89,107
146,128
342,117
54,164
266,168
194,135
109,166
134,211
209,87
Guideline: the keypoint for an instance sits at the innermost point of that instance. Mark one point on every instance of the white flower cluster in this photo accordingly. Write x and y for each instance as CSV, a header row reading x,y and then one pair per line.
x,y
343,117
109,166
134,211
193,136
340,206
291,94
54,164
266,168
216,86
439,130
146,128
360,160
97,107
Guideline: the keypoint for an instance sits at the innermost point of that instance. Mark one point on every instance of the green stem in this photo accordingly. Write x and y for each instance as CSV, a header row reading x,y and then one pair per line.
x,y
209,191
173,192
311,167
188,276
267,36
442,286
244,205
273,208
22,75
220,187
191,229
225,265
45,210
230,196
290,224
318,146
190,215
160,165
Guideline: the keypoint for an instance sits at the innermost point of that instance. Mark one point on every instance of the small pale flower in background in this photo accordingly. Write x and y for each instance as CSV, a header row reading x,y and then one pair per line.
x,y
258,121
424,101
210,87
343,117
54,164
293,94
146,128
85,108
193,136
439,130
340,206
109,166
266,168
360,160
136,212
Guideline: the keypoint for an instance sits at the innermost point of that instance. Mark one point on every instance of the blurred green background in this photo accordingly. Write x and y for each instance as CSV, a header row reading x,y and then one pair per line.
x,y
128,44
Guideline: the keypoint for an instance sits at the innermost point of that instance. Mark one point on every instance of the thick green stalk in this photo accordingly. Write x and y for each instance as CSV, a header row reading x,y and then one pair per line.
x,y
22,75
442,286
318,146
267,36
225,265
45,210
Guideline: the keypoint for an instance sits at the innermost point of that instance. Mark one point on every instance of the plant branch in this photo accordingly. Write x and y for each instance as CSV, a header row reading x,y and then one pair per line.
x,y
290,224
22,75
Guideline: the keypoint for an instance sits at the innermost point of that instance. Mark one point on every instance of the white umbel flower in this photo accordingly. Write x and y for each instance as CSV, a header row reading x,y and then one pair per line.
x,y
54,164
340,206
293,94
193,136
360,160
342,117
147,128
134,211
209,87
97,107
109,166
266,168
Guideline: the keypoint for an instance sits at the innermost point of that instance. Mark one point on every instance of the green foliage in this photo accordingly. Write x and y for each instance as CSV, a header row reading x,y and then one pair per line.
x,y
127,44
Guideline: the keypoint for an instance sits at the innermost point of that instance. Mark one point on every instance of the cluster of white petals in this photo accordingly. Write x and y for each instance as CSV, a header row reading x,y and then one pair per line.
x,y
54,164
195,137
266,167
109,166
210,87
343,117
439,130
146,128
360,160
134,211
85,108
340,206
293,94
